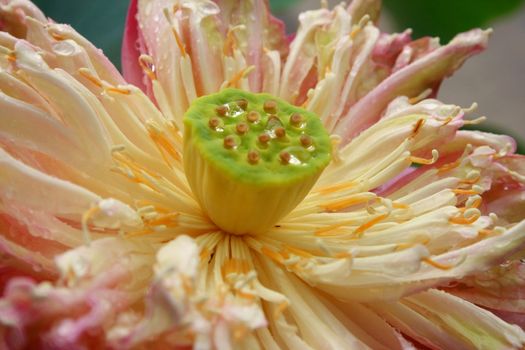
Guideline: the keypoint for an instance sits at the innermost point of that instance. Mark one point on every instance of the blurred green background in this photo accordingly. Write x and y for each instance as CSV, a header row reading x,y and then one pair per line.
x,y
502,100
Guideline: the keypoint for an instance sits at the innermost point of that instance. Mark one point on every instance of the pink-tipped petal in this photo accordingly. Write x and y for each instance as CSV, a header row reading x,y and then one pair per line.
x,y
131,50
426,72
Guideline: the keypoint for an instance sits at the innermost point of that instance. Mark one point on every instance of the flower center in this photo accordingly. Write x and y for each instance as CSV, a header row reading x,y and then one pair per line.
x,y
251,158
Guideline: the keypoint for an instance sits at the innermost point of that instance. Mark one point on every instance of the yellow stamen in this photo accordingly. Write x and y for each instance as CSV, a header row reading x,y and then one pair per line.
x,y
417,127
165,219
118,90
234,81
157,208
354,32
470,181
272,255
204,254
476,203
402,246
57,36
398,205
448,120
144,232
336,187
245,295
174,131
461,220
187,283
463,191
163,144
178,39
449,166
280,309
88,214
343,255
235,266
146,63
485,232
475,121
89,76
239,332
328,230
11,57
423,161
230,44
420,97
342,204
360,25
136,167
297,251
437,264
361,229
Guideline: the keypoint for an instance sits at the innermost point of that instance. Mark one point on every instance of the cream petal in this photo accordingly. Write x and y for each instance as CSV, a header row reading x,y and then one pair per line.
x,y
73,108
387,142
442,321
302,54
69,200
32,129
20,181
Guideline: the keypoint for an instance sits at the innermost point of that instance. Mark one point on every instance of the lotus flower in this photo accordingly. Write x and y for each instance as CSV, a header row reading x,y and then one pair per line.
x,y
244,189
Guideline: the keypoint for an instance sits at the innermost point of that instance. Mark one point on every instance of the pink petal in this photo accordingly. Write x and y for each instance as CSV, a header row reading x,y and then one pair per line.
x,y
131,50
426,72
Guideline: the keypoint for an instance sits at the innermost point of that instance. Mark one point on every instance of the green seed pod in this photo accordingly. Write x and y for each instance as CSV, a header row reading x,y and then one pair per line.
x,y
258,165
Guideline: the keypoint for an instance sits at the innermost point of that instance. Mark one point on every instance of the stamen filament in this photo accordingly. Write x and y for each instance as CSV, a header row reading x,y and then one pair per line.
x,y
178,39
361,229
437,265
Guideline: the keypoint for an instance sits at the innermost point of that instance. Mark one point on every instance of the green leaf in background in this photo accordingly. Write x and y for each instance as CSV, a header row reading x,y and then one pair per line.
x,y
101,21
279,6
446,18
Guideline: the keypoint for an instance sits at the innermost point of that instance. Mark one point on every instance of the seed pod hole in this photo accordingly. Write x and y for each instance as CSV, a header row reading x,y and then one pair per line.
x,y
253,116
229,142
241,128
214,122
242,103
306,141
280,132
296,119
221,110
285,157
270,106
253,157
264,139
